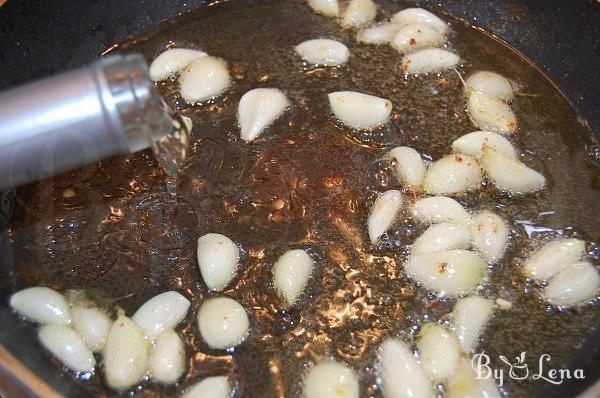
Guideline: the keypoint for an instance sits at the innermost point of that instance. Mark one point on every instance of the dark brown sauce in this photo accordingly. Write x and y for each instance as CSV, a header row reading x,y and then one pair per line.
x,y
117,230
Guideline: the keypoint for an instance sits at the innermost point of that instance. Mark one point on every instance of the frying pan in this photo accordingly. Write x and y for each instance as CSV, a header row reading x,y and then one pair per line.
x,y
39,38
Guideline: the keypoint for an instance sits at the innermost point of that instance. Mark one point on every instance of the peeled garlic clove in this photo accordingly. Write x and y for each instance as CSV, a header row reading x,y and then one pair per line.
x,y
416,36
160,313
223,322
323,52
429,60
383,213
42,305
490,83
167,361
400,373
258,108
451,272
92,325
490,235
553,257
210,387
218,259
378,34
491,113
419,15
470,316
204,78
479,142
439,351
440,237
465,384
331,380
510,174
66,345
573,285
359,12
126,354
358,110
291,274
452,174
410,168
172,61
439,209
325,7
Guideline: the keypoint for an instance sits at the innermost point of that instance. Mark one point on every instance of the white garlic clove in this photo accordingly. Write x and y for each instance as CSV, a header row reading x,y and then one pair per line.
x,y
383,213
42,305
359,12
429,60
452,174
465,384
126,354
378,34
409,166
479,142
218,259
210,387
553,257
258,108
291,273
172,61
491,113
439,351
575,284
66,345
440,237
204,78
419,15
161,312
323,52
92,324
490,83
451,272
469,317
439,209
490,235
167,360
331,380
360,111
416,36
400,373
329,8
223,322
511,175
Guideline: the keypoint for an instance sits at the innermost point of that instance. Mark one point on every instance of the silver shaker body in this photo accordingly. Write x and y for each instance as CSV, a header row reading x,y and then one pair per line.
x,y
78,118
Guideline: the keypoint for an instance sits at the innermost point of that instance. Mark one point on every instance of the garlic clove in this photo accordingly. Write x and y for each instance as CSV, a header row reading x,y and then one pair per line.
x,y
291,273
383,213
490,235
409,166
360,111
92,324
452,272
469,317
553,257
478,142
465,384
439,351
415,37
203,79
452,174
210,387
223,322
65,344
329,8
419,15
331,379
429,60
490,83
258,108
161,312
325,52
378,34
218,259
359,12
167,360
42,305
172,61
575,284
491,113
511,175
439,209
440,237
